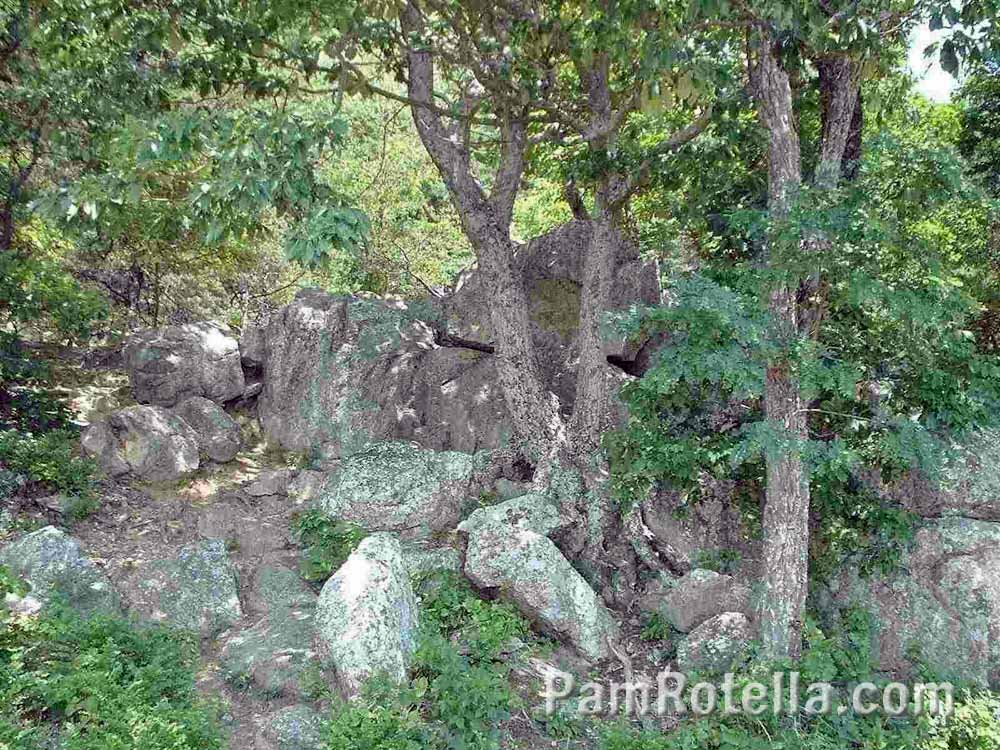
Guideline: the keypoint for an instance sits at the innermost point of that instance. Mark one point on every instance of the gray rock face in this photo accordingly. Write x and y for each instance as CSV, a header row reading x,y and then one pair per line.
x,y
508,550
698,596
197,591
272,655
167,365
399,487
341,373
53,565
217,433
292,728
946,592
716,644
147,441
366,621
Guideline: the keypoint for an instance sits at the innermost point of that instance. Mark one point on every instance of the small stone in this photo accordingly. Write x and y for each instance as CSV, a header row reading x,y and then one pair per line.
x,y
292,728
716,644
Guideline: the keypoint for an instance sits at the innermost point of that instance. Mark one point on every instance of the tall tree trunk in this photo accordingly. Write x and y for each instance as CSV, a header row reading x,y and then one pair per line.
x,y
486,223
786,508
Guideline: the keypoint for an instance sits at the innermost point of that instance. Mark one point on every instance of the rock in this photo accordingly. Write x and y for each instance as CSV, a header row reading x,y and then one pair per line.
x,y
399,487
147,441
508,551
293,728
945,591
272,655
340,373
698,596
274,482
217,433
196,591
167,365
307,485
53,565
716,644
685,536
366,621
421,561
969,485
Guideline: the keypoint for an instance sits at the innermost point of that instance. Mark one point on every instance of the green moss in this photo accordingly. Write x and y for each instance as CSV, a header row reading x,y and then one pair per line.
x,y
555,306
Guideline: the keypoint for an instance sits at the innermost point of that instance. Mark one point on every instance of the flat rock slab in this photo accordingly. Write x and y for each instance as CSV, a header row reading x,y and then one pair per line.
x,y
272,655
196,591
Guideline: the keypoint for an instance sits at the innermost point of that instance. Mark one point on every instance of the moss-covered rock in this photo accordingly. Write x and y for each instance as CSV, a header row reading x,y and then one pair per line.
x,y
292,728
54,566
366,619
399,487
508,551
271,656
196,591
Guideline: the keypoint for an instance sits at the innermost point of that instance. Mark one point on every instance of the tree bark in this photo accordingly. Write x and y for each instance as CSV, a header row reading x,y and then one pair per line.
x,y
786,508
486,223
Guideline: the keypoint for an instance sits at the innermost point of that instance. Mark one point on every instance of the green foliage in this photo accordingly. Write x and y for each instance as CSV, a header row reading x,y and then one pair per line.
x,y
326,543
449,605
656,627
979,141
48,462
373,726
107,685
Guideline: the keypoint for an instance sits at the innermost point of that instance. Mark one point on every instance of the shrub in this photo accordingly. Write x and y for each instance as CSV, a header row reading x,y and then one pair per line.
x,y
104,682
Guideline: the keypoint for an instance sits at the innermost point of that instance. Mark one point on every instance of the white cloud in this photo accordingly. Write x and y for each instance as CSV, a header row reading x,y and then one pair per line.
x,y
933,82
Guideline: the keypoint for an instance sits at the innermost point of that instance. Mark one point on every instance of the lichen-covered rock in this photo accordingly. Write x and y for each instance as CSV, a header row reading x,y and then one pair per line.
x,y
293,728
272,655
167,365
698,596
196,591
399,487
273,482
340,373
508,550
716,644
147,441
421,561
54,566
530,510
366,620
945,591
218,434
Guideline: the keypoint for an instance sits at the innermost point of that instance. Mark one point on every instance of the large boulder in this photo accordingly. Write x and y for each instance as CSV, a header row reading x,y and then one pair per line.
x,y
697,596
341,372
196,591
366,620
716,645
54,566
218,434
945,591
147,441
508,551
167,365
969,484
273,654
399,487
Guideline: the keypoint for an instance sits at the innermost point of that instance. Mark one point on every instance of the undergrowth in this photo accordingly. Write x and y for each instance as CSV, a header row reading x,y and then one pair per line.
x,y
102,683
